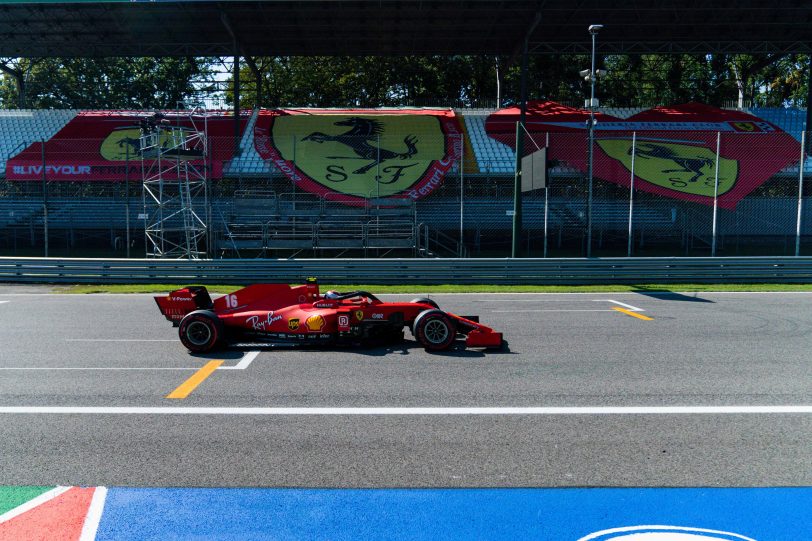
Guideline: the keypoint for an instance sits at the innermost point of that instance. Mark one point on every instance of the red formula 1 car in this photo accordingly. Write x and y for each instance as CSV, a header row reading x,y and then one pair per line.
x,y
278,313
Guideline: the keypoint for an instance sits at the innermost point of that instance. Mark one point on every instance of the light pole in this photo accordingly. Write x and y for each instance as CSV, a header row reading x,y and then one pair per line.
x,y
591,76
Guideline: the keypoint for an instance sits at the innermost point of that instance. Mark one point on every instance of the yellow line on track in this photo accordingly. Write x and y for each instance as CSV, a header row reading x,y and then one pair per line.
x,y
633,314
186,388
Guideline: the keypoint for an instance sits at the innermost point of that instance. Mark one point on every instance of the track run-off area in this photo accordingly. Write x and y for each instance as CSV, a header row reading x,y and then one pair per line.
x,y
623,416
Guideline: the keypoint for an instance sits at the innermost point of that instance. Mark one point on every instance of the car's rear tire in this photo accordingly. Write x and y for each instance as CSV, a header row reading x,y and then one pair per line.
x,y
424,300
200,331
435,330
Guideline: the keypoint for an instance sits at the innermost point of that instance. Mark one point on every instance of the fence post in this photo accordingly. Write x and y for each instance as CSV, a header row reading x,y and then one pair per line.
x,y
44,198
462,193
631,195
517,193
715,195
127,194
546,191
800,195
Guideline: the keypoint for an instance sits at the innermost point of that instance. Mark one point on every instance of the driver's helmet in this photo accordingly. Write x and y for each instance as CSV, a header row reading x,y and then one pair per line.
x,y
331,295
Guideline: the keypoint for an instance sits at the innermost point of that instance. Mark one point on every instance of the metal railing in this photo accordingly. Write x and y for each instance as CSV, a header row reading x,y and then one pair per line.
x,y
413,271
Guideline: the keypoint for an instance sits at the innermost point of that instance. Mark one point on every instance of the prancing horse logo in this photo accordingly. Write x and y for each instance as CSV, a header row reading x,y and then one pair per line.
x,y
687,168
354,157
363,131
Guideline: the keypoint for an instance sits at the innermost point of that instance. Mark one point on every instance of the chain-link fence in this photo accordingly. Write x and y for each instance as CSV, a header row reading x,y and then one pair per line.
x,y
418,193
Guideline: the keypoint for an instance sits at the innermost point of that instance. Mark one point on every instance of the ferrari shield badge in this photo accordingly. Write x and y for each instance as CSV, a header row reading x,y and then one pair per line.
x,y
354,156
684,168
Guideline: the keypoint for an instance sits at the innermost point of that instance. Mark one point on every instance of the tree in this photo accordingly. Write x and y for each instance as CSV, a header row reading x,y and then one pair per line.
x,y
106,83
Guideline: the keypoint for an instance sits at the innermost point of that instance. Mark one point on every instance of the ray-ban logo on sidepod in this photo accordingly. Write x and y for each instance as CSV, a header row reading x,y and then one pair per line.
x,y
663,533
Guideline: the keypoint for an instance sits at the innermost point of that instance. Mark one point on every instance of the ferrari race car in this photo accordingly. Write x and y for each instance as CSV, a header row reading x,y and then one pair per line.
x,y
278,313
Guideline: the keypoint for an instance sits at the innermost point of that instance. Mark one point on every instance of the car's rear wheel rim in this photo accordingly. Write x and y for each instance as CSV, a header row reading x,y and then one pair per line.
x,y
198,333
436,331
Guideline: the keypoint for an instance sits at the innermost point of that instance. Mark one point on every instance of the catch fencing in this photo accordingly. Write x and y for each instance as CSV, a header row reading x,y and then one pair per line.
x,y
254,208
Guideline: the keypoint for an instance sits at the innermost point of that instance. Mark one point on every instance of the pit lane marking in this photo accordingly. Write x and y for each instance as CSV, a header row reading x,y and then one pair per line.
x,y
633,314
624,305
246,360
186,388
412,411
630,310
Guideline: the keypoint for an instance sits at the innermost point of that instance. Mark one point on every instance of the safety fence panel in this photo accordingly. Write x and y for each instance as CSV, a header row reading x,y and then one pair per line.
x,y
362,193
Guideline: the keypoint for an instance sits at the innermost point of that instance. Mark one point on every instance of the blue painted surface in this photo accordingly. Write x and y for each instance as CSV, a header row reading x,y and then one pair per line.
x,y
763,514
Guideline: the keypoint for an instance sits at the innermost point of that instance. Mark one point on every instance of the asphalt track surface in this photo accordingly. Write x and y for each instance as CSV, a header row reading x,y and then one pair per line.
x,y
713,350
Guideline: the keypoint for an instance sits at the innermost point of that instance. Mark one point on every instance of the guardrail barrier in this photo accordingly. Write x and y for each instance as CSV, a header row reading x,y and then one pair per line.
x,y
411,271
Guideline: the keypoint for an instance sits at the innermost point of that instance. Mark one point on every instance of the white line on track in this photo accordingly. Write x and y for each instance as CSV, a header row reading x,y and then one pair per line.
x,y
1,302
532,300
629,306
118,340
30,504
99,368
548,310
246,360
94,514
410,411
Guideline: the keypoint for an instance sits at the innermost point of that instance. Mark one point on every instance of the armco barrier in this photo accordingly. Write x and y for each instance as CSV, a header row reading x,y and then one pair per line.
x,y
411,271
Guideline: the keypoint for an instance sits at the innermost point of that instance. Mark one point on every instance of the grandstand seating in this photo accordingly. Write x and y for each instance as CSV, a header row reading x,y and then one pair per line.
x,y
273,217
491,155
792,121
21,127
258,220
248,163
621,112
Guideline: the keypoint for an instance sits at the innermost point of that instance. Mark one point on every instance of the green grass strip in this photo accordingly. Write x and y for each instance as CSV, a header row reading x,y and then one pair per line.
x,y
11,497
453,288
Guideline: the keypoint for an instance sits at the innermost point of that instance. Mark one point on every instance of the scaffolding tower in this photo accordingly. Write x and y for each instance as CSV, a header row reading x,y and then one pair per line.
x,y
174,160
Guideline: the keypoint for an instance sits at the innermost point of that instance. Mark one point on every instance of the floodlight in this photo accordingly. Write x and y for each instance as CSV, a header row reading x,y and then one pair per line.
x,y
584,74
595,28
600,73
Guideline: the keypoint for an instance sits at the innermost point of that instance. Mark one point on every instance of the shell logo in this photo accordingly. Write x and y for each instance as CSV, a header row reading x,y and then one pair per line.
x,y
315,323
663,533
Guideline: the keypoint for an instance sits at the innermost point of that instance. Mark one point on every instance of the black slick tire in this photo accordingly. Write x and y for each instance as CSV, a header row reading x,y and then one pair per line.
x,y
200,331
424,300
435,330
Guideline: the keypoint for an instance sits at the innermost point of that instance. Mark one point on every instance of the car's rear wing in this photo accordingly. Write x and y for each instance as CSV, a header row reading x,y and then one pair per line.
x,y
182,301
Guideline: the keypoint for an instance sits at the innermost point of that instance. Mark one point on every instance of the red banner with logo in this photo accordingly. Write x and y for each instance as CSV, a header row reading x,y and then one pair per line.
x,y
675,147
95,145
352,155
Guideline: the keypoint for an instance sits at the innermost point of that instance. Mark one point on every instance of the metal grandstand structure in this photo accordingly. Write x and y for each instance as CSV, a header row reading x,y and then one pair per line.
x,y
471,210
175,186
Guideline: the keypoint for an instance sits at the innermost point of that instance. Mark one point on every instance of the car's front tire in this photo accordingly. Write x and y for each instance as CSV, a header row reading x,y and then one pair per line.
x,y
434,330
200,331
424,300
